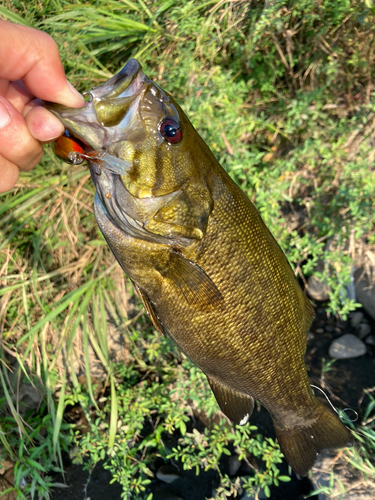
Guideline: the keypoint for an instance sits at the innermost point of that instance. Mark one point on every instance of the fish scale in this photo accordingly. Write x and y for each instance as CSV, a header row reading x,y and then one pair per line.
x,y
207,269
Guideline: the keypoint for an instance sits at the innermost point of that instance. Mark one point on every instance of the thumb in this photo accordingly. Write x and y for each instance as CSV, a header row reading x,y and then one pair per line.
x,y
32,56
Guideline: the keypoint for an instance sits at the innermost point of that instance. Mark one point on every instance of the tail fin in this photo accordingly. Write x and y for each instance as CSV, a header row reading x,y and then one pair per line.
x,y
300,445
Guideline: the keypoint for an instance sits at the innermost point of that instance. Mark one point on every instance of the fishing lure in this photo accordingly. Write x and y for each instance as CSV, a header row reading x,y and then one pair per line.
x,y
67,144
71,150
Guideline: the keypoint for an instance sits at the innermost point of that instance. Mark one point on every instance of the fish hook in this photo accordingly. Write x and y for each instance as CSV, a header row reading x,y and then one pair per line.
x,y
77,158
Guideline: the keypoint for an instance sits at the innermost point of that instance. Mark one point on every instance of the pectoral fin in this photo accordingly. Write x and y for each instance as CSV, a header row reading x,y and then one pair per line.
x,y
150,310
237,406
189,279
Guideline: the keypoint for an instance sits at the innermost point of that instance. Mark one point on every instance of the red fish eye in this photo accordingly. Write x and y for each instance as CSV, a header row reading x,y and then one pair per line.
x,y
170,129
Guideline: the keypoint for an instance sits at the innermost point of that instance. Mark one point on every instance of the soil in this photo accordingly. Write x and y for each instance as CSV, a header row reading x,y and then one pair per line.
x,y
344,383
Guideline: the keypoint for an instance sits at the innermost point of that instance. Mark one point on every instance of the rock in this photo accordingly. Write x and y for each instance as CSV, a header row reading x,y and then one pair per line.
x,y
5,464
234,464
370,340
346,347
365,291
166,494
249,496
7,481
317,289
4,485
362,330
28,392
168,473
350,483
355,318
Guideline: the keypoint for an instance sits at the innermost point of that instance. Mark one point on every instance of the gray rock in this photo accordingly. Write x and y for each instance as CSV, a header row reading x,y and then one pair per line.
x,y
355,318
346,347
164,493
349,484
168,473
365,291
362,330
370,340
234,464
317,289
248,496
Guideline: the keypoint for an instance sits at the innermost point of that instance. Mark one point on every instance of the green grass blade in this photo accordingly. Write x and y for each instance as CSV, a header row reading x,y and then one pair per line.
x,y
59,417
114,415
87,361
59,308
8,397
13,17
5,443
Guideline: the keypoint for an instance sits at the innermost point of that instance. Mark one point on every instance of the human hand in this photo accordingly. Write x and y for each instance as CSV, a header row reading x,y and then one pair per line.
x,y
30,68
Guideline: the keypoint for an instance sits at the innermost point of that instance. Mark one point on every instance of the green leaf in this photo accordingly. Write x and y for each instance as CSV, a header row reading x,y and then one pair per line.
x,y
285,479
35,464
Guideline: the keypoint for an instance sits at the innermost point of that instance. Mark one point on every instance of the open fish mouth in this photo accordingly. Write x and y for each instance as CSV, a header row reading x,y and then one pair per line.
x,y
110,110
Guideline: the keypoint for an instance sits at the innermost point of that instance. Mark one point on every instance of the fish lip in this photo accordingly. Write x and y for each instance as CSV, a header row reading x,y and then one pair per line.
x,y
83,122
120,82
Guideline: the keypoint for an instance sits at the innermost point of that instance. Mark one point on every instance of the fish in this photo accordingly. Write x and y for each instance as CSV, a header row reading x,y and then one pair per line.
x,y
208,271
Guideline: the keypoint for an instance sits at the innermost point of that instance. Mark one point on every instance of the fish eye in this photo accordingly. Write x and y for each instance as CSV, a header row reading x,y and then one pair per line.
x,y
170,129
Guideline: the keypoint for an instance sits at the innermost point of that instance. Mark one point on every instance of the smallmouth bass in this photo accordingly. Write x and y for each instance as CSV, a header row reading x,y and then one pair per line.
x,y
207,269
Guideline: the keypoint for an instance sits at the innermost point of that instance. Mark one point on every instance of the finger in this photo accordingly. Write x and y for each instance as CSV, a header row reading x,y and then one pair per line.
x,y
16,143
42,124
4,85
8,175
32,56
18,95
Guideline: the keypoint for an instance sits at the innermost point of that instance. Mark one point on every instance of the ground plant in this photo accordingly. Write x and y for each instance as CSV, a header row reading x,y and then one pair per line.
x,y
283,93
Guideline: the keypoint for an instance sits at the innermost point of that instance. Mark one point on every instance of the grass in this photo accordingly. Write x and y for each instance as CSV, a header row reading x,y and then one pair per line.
x,y
283,94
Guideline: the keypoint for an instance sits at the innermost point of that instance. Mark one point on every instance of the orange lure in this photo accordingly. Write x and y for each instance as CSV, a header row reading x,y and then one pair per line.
x,y
68,144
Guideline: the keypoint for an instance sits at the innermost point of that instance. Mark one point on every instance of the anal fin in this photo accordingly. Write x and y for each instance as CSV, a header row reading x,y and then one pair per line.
x,y
236,406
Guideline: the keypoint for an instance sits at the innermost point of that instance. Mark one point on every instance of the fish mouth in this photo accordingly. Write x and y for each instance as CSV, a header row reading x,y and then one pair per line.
x,y
110,110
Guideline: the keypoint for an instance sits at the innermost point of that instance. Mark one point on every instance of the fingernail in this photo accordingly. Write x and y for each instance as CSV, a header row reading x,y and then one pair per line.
x,y
70,97
75,92
4,115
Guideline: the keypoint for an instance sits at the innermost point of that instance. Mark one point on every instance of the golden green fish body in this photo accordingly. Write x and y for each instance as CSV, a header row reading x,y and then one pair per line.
x,y
207,269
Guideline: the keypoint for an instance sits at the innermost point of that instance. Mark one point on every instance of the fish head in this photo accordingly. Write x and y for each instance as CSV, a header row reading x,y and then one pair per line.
x,y
131,118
